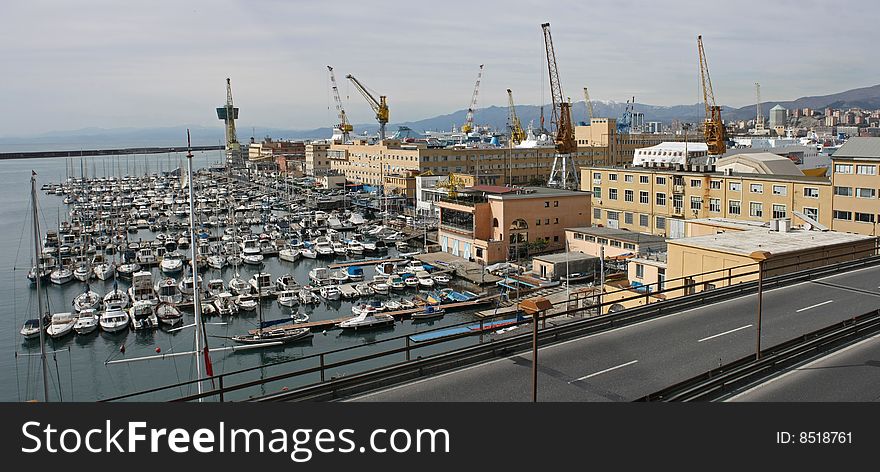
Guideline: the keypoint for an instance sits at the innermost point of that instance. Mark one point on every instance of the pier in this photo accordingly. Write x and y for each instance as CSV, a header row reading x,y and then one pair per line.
x,y
103,152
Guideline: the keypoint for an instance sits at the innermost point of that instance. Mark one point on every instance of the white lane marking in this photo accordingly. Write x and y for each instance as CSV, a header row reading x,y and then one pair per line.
x,y
726,332
603,371
813,306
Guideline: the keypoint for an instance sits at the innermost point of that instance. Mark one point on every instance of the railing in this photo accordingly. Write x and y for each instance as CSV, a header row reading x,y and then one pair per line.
x,y
737,281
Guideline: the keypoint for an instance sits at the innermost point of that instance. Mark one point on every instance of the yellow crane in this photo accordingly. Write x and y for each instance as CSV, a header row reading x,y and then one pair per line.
x,y
713,128
451,184
468,125
343,126
564,174
589,105
516,131
379,106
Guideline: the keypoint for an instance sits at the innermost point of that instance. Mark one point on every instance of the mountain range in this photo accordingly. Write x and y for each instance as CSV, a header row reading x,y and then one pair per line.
x,y
493,116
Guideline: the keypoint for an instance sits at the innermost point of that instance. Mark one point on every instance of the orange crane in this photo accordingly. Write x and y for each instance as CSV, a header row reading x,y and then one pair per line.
x,y
379,106
564,173
713,128
343,126
516,131
468,125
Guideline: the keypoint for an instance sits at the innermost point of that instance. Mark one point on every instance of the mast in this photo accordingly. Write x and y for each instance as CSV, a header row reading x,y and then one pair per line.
x,y
197,305
38,252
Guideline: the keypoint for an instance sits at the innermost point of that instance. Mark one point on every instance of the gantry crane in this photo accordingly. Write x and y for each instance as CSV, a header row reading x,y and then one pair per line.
x,y
589,105
713,128
469,121
344,127
564,173
516,131
379,106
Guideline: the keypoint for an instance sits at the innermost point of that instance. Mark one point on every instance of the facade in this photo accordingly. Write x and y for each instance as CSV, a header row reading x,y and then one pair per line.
x,y
554,266
854,177
316,159
494,224
657,200
612,242
428,194
670,153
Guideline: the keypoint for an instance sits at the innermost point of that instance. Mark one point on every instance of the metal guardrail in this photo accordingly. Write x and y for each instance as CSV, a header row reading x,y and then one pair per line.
x,y
495,347
723,381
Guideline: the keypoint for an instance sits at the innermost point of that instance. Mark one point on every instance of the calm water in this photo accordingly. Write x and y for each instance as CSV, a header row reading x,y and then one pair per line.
x,y
78,370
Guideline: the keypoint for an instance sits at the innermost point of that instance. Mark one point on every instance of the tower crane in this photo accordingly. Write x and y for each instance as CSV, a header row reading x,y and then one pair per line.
x,y
516,131
343,127
379,106
563,174
229,114
713,128
589,105
469,122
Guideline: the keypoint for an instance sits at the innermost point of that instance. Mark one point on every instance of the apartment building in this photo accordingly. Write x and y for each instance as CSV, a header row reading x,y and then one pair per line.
x,y
316,160
657,200
855,181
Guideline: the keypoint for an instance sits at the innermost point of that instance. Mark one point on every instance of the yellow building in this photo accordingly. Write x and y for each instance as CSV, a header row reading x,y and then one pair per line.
x,y
317,161
657,200
855,203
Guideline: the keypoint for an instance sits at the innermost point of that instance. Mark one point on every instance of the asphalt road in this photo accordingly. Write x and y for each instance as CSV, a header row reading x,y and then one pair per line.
x,y
847,375
632,361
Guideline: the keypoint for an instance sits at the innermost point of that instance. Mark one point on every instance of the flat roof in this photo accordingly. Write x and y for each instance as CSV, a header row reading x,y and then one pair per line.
x,y
746,242
540,192
859,148
619,234
730,223
694,172
570,256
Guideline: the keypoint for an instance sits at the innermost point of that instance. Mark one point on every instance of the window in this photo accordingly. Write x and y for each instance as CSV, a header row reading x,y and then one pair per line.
x,y
811,192
661,222
734,186
643,179
715,184
780,190
756,188
612,177
614,215
715,205
556,221
812,213
661,199
842,215
612,194
615,243
579,236
644,197
695,183
733,207
865,192
640,271
778,211
555,203
597,213
597,192
756,209
628,178
597,176
661,180
866,170
547,221
643,220
696,203
538,222
546,204
865,217
677,202
602,241
494,222
628,218
843,191
843,168
630,246
627,195
555,239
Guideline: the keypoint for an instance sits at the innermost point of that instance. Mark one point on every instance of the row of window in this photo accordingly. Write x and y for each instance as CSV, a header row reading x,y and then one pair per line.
x,y
859,192
546,221
604,241
781,190
859,168
854,216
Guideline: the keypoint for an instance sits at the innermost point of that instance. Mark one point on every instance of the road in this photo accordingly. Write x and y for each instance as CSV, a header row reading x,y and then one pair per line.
x,y
632,361
846,375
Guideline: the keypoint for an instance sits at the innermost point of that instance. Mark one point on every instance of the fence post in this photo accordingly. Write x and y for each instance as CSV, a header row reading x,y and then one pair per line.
x,y
221,388
407,348
322,367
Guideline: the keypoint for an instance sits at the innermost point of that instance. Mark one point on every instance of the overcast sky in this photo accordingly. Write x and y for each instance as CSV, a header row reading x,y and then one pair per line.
x,y
75,64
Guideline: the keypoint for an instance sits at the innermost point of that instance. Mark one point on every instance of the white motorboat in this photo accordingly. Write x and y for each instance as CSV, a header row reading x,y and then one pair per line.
x,y
289,255
364,289
252,259
86,322
380,287
286,282
143,316
397,283
142,288
168,314
411,281
30,329
288,298
82,273
168,291
367,319
115,298
238,285
330,292
215,287
261,283
171,264
247,302
323,247
86,300
186,285
406,304
306,297
319,275
61,276
61,325
430,312
216,261
105,270
425,279
225,304
308,253
441,279
339,276
125,271
392,305
355,247
338,248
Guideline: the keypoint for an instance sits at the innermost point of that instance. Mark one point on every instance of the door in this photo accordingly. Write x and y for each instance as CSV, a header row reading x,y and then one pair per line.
x,y
675,228
466,252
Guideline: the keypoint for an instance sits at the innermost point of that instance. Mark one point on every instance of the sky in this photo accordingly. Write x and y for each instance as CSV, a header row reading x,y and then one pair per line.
x,y
111,64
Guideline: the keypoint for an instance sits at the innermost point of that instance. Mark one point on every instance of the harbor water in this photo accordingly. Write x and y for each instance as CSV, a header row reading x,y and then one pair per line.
x,y
77,363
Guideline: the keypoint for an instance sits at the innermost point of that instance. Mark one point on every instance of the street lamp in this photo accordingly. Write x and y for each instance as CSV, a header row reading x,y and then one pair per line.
x,y
760,257
535,307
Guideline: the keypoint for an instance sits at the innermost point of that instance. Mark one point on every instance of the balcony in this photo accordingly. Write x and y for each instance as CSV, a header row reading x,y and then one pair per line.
x,y
678,210
678,189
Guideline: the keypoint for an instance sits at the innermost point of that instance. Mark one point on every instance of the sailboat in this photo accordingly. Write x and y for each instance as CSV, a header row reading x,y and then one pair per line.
x,y
39,323
265,333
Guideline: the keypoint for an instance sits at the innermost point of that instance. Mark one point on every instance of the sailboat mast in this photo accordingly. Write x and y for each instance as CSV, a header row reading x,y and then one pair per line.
x,y
197,305
38,252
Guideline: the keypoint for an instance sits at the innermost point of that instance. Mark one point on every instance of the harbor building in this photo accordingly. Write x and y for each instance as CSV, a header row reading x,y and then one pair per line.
x,y
855,204
492,224
316,160
658,200
612,242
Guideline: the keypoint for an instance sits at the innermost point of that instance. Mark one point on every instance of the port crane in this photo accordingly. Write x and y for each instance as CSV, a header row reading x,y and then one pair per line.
x,y
759,117
379,106
451,184
468,125
343,127
564,173
229,113
713,127
517,135
589,105
624,126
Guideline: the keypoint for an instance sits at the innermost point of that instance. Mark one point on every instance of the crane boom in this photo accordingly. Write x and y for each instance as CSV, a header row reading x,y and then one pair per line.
x,y
589,104
513,124
379,106
343,126
469,122
561,117
713,127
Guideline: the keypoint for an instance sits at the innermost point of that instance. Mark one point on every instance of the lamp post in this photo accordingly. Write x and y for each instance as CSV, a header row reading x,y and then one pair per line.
x,y
760,257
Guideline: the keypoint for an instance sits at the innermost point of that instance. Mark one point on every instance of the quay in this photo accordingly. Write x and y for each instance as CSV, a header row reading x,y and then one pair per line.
x,y
103,152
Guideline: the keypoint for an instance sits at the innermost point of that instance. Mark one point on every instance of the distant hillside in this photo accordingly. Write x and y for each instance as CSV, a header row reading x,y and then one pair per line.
x,y
865,97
